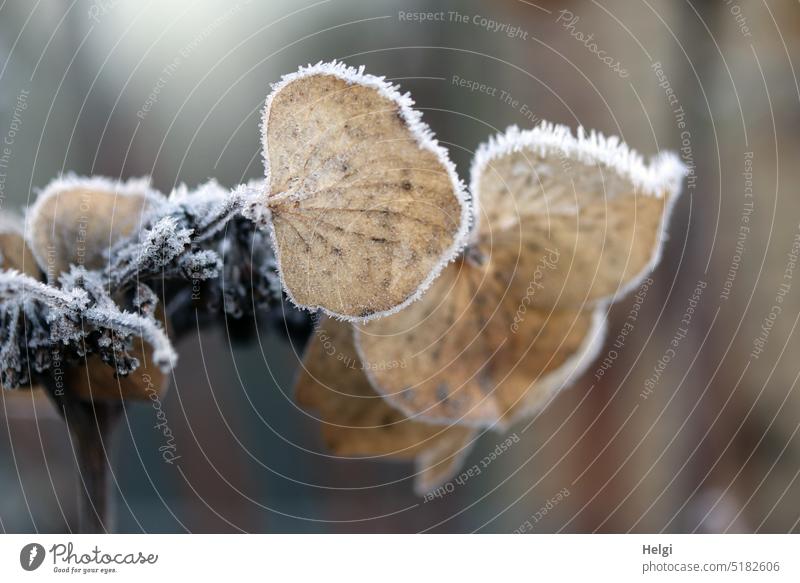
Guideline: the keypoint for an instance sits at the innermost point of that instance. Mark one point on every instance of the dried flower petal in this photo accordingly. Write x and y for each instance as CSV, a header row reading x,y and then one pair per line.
x,y
590,198
75,220
14,251
357,422
365,207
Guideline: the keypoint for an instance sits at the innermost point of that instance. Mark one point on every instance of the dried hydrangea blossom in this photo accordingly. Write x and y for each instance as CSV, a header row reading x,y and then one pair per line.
x,y
364,206
566,224
364,212
74,221
43,324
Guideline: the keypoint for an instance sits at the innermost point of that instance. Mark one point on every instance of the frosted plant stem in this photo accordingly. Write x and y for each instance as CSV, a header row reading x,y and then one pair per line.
x,y
92,441
91,426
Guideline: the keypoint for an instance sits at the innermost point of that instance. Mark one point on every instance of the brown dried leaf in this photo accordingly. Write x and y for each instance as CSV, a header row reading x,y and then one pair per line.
x,y
438,464
583,215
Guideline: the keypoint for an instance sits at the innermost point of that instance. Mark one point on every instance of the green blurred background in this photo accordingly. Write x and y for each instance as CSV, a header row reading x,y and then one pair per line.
x,y
174,90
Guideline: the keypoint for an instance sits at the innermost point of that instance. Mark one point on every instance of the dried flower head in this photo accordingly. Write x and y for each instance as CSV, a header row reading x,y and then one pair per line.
x,y
70,229
15,255
364,212
111,251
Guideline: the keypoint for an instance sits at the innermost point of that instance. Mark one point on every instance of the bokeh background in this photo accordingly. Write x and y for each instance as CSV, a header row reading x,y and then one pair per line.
x,y
173,89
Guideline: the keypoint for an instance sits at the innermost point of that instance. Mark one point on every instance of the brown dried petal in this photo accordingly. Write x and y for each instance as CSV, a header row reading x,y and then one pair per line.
x,y
358,422
365,207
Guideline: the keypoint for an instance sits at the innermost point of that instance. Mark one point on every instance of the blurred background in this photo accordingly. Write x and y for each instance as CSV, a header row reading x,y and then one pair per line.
x,y
707,442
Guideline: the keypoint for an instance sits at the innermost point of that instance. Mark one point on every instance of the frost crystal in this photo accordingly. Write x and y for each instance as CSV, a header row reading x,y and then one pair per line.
x,y
42,324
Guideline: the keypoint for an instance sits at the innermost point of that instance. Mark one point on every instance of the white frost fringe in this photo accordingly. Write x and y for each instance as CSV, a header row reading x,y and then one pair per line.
x,y
663,175
207,192
425,139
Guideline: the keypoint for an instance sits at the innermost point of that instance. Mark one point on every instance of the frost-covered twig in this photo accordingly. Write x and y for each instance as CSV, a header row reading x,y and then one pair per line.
x,y
43,324
158,246
178,239
20,287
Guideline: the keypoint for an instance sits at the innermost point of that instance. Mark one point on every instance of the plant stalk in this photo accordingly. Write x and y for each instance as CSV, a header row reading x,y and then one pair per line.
x,y
91,426
92,439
